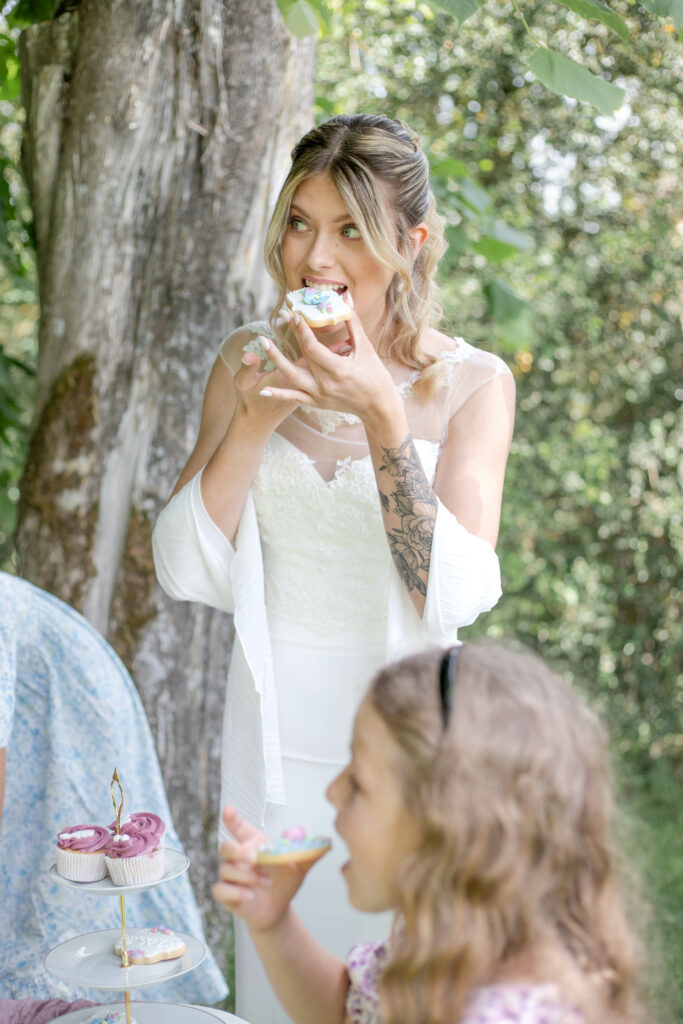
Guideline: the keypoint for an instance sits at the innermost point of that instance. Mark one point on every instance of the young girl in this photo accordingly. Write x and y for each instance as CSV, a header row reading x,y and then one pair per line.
x,y
344,494
477,808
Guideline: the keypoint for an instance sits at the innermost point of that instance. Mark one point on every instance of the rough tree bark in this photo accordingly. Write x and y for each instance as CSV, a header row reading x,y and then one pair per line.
x,y
156,135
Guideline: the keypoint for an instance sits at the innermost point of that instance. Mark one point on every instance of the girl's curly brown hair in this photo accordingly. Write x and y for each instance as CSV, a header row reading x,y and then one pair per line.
x,y
515,799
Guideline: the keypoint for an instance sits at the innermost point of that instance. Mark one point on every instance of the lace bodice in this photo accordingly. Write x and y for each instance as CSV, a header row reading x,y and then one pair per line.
x,y
326,559
328,438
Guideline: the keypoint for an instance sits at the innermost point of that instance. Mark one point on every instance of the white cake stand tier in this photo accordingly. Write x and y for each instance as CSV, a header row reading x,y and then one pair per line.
x,y
89,960
154,1013
176,864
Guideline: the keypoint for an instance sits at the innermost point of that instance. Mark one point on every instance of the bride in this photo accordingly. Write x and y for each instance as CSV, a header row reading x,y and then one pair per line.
x,y
343,496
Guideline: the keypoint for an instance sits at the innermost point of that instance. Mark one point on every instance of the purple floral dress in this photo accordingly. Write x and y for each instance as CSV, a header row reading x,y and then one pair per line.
x,y
491,1004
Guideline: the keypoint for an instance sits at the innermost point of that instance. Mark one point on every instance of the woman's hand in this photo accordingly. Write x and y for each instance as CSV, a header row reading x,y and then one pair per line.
x,y
260,895
348,376
249,382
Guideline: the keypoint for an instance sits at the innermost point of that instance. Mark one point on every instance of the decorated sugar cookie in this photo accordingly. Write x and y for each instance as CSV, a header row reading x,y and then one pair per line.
x,y
149,945
320,307
295,845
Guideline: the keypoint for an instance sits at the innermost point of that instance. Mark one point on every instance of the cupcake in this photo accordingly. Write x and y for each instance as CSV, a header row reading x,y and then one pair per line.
x,y
80,853
143,822
134,858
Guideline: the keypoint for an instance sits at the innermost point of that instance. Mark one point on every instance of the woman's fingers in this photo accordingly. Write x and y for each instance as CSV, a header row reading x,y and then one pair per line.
x,y
249,373
357,335
287,395
295,374
312,348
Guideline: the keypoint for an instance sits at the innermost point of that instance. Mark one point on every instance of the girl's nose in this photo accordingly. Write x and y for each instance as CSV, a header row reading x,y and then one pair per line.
x,y
333,790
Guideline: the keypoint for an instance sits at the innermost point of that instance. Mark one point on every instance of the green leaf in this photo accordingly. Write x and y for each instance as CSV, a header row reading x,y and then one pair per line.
x,y
475,196
493,250
504,303
447,167
502,232
592,9
27,12
299,17
458,242
460,9
565,76
324,15
666,9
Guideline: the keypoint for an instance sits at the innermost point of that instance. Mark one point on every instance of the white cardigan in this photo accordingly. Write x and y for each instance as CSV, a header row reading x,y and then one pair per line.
x,y
196,562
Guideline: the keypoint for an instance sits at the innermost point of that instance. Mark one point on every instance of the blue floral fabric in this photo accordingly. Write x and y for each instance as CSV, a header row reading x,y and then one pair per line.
x,y
69,714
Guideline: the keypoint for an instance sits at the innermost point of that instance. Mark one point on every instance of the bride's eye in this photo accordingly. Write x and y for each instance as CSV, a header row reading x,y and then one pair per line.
x,y
350,231
297,224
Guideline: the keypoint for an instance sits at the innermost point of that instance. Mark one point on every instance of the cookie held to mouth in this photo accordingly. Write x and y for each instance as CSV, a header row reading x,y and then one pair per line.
x,y
320,307
295,846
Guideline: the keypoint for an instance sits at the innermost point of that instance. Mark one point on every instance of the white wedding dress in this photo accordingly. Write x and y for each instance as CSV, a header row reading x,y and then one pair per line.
x,y
327,578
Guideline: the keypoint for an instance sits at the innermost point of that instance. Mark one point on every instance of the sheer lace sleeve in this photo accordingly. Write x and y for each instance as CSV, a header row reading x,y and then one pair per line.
x,y
464,578
245,338
467,370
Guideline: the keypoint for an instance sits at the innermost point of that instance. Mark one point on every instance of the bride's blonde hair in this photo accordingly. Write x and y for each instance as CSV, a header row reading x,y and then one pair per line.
x,y
515,801
382,176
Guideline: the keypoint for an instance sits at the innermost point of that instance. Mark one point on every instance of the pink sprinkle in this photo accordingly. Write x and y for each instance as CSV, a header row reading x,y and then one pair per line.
x,y
295,832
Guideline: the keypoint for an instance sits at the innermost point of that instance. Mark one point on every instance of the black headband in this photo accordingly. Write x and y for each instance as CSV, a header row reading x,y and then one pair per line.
x,y
447,676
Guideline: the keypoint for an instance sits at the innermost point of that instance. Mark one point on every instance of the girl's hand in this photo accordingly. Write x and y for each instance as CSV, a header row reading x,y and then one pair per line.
x,y
260,895
348,376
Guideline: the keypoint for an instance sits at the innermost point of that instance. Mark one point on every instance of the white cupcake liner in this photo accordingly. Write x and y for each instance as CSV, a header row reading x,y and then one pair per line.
x,y
80,865
147,867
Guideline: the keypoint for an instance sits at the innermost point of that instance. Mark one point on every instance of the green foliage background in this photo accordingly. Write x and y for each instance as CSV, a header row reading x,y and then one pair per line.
x,y
591,530
566,238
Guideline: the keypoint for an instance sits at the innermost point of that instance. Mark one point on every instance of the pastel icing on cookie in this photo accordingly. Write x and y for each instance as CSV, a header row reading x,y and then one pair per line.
x,y
295,845
149,945
320,307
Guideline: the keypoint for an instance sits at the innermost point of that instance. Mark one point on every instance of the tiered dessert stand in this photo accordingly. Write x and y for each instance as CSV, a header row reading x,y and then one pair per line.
x,y
89,960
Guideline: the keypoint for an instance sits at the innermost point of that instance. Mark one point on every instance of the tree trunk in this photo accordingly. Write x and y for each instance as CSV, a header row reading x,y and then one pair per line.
x,y
156,135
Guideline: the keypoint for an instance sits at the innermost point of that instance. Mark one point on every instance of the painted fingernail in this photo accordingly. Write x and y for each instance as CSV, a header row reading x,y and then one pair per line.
x,y
350,298
296,318
266,393
247,362
265,342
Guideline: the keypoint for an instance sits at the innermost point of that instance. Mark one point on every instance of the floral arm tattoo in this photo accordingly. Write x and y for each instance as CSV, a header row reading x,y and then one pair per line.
x,y
409,508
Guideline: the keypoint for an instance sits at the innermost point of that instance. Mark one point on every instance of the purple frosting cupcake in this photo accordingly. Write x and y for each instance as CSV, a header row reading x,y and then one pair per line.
x,y
134,858
80,853
143,821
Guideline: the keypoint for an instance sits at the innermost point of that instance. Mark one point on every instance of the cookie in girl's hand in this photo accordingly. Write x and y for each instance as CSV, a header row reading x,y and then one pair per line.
x,y
149,945
320,307
295,846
